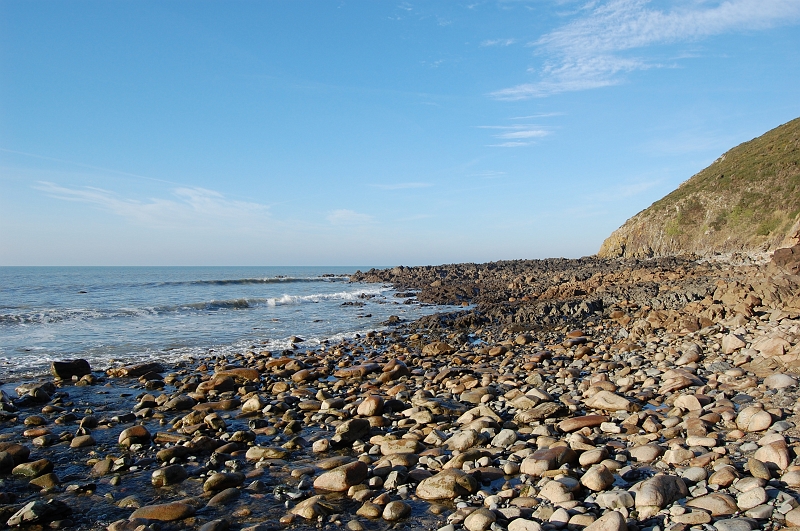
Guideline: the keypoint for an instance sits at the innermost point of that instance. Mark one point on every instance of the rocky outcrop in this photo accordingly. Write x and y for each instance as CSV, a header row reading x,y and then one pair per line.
x,y
748,200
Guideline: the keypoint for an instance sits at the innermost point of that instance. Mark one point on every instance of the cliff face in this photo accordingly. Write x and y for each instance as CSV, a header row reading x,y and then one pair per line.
x,y
748,200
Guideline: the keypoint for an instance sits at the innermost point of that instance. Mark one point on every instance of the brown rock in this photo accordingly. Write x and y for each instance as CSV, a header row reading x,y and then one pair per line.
x,y
646,453
371,406
447,484
134,435
135,371
479,520
597,478
350,431
34,468
576,423
657,492
166,512
731,343
82,441
775,454
438,348
753,418
400,446
342,478
66,369
396,510
223,480
310,508
541,461
608,401
610,521
241,373
717,503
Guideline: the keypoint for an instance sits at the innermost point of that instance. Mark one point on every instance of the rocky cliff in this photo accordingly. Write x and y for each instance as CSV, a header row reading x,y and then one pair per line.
x,y
748,200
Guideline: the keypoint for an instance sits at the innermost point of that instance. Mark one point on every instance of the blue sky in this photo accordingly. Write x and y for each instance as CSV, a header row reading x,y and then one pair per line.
x,y
351,133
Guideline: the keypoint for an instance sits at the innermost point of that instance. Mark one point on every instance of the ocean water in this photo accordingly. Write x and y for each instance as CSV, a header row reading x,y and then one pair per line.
x,y
114,315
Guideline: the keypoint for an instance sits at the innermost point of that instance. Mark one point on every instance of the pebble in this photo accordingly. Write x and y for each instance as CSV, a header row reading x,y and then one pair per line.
x,y
657,492
479,520
610,521
751,498
342,478
718,504
597,478
521,524
779,381
167,512
734,524
396,510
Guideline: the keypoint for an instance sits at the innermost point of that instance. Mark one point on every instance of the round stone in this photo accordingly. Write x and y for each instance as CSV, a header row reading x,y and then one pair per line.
x,y
480,520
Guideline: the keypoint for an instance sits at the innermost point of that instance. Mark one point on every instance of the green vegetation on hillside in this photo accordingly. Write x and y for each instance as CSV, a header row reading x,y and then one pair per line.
x,y
747,200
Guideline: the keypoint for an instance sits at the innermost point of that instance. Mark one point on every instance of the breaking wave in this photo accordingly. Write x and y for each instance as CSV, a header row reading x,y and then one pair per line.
x,y
59,315
266,280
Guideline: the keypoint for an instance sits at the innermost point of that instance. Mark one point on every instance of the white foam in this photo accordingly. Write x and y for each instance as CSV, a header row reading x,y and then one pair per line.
x,y
318,297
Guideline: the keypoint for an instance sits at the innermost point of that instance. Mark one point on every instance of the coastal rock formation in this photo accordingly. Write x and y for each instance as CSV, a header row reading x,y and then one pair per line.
x,y
566,394
748,200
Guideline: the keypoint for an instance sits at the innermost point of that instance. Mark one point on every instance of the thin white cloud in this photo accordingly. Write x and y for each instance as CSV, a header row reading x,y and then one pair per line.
x,y
532,116
402,186
595,49
433,64
511,144
527,133
348,217
189,206
515,134
489,174
498,42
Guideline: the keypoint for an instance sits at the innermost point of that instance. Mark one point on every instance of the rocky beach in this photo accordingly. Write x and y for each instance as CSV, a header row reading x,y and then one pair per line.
x,y
590,394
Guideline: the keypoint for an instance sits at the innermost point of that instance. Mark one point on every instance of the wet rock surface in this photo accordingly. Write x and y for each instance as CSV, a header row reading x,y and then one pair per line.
x,y
577,394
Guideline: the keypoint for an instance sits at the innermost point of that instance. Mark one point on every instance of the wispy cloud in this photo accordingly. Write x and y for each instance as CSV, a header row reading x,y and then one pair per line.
x,y
511,144
536,116
187,207
489,174
515,134
348,217
525,133
433,64
498,42
608,39
402,186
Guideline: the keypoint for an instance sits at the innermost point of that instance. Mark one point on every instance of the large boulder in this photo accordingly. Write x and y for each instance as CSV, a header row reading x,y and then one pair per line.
x,y
350,431
66,369
655,493
343,477
446,485
437,348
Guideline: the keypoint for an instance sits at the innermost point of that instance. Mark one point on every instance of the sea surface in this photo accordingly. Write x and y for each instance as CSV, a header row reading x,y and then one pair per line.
x,y
115,315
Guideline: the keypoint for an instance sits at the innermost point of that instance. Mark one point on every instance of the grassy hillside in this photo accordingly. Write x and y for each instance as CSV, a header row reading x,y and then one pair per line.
x,y
747,200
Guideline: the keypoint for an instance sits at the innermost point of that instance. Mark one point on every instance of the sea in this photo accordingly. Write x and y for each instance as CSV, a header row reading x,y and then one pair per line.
x,y
118,315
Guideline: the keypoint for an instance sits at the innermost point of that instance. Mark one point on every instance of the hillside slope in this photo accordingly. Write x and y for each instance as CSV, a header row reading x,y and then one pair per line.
x,y
747,200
